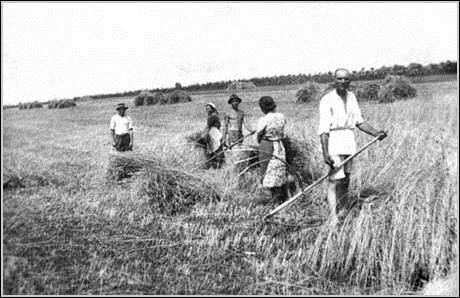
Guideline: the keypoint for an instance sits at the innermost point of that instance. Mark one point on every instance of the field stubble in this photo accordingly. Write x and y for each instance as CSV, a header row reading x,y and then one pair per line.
x,y
77,234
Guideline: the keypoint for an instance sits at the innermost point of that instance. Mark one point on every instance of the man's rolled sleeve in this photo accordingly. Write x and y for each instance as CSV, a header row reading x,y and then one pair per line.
x,y
324,117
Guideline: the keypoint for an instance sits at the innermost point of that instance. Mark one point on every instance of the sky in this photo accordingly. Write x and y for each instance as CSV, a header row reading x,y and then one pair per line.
x,y
63,50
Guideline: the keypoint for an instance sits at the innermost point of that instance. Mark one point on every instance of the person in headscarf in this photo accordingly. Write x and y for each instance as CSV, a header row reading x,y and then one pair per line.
x,y
272,155
213,138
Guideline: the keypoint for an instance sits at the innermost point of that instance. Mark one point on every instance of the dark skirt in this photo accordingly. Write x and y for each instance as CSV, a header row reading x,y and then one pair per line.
x,y
265,154
122,142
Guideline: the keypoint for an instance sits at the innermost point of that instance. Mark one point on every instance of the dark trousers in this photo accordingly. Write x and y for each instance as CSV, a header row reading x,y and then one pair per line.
x,y
122,142
235,137
265,154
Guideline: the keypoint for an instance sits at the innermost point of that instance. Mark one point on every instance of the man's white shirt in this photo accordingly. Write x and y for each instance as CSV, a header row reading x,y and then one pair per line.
x,y
338,118
121,125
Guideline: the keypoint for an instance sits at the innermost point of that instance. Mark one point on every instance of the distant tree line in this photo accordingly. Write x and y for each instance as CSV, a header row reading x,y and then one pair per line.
x,y
411,70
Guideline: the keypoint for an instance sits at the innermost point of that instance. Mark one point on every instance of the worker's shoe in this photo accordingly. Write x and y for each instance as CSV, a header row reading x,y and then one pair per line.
x,y
264,198
279,194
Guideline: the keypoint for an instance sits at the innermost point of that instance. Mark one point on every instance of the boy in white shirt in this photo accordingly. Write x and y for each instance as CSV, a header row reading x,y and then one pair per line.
x,y
121,127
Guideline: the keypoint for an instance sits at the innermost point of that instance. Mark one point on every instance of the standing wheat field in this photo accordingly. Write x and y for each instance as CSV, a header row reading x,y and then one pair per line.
x,y
171,228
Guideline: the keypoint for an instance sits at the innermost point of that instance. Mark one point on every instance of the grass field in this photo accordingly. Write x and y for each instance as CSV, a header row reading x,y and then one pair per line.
x,y
71,231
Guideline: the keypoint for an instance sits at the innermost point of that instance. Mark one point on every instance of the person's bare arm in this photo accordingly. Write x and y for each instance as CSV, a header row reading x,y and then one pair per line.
x,y
247,126
367,128
112,137
131,138
260,135
324,137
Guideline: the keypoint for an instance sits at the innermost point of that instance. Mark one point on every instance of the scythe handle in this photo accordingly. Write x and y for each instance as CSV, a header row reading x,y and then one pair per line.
x,y
294,198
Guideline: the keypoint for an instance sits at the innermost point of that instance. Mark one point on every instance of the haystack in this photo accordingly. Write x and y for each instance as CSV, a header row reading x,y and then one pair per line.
x,y
145,97
61,104
123,166
173,191
367,91
396,88
300,158
196,139
202,158
24,181
170,191
138,101
149,98
52,104
66,103
240,85
30,105
310,92
177,96
35,104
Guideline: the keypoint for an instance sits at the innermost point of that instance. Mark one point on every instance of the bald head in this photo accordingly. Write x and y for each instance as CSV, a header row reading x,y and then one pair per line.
x,y
342,78
342,72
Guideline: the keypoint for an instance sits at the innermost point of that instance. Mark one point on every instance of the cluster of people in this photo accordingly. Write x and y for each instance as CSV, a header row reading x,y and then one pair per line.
x,y
339,115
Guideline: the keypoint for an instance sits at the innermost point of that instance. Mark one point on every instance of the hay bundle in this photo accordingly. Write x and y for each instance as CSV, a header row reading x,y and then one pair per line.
x,y
149,98
300,159
197,139
240,85
144,97
170,191
367,91
61,104
160,98
123,166
177,96
66,103
310,92
35,105
173,191
52,104
396,88
30,105
138,101
24,181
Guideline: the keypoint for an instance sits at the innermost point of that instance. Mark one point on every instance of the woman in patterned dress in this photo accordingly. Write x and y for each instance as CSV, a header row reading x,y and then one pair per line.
x,y
272,155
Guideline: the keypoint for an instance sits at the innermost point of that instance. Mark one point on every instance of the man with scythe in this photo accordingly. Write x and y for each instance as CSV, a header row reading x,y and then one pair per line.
x,y
339,114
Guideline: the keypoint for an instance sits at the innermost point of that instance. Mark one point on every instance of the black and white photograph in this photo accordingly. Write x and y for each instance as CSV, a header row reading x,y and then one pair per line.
x,y
172,148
